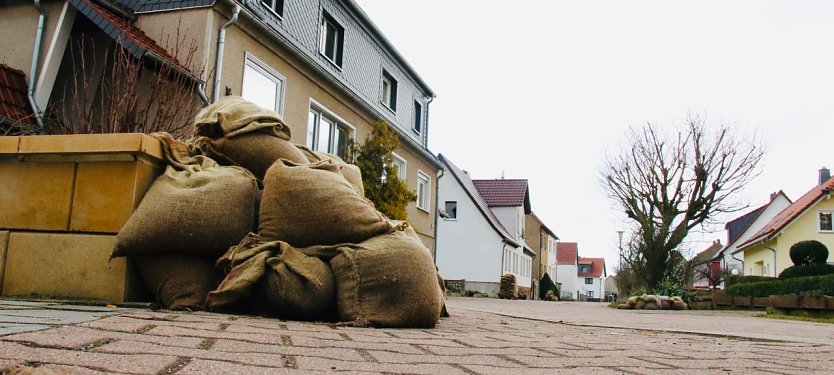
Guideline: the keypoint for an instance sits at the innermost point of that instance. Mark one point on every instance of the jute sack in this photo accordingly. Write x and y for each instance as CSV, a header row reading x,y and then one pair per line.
x,y
196,206
178,281
298,286
350,172
306,205
387,281
255,151
271,277
232,116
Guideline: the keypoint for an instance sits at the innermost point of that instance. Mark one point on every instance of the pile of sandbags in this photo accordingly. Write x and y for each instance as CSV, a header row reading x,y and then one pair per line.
x,y
654,302
309,246
507,288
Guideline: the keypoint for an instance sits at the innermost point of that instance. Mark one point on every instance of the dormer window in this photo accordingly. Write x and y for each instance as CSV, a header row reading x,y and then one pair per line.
x,y
276,6
389,91
332,39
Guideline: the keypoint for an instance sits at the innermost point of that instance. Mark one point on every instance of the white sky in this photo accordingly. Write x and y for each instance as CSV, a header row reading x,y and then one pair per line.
x,y
542,89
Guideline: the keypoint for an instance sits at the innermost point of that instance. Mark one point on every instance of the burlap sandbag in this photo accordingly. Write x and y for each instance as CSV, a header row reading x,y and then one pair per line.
x,y
178,281
254,151
387,281
297,286
306,205
350,172
232,116
196,206
271,277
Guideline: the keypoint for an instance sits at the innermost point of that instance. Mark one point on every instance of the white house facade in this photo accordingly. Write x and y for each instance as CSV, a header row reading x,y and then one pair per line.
x,y
567,270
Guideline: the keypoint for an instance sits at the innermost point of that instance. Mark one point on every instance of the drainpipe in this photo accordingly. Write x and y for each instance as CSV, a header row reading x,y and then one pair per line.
x,y
218,63
437,197
774,255
426,131
33,71
740,260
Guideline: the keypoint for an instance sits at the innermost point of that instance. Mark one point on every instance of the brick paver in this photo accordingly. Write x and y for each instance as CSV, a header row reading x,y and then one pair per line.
x,y
469,342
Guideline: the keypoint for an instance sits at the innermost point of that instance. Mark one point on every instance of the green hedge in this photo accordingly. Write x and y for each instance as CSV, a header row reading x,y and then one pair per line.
x,y
739,279
810,285
807,270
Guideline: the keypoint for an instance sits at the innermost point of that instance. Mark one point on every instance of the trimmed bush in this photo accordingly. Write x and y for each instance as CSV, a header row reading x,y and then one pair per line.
x,y
807,270
808,252
738,279
808,285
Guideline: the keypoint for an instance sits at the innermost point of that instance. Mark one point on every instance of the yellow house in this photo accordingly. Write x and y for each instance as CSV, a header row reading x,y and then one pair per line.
x,y
766,253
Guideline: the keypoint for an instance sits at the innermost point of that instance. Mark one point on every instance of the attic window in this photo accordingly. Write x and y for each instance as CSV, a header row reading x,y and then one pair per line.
x,y
825,221
584,268
276,6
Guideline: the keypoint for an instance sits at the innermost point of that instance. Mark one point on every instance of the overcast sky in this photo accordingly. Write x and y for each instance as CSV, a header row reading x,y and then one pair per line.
x,y
543,89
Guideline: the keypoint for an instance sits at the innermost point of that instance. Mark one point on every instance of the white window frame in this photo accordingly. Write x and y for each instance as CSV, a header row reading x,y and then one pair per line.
x,y
402,168
449,218
315,106
388,91
819,221
418,118
423,177
250,61
270,4
328,21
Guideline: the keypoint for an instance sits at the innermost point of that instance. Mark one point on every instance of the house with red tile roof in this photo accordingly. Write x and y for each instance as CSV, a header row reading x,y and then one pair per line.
x,y
705,270
811,217
591,278
479,235
739,230
567,270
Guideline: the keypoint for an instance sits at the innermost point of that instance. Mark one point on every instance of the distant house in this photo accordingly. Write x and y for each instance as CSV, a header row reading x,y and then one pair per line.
x,y
543,242
611,286
740,229
706,271
591,278
811,217
567,262
472,241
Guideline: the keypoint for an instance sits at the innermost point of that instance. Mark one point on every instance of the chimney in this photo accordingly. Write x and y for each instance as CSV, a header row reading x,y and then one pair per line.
x,y
824,174
774,195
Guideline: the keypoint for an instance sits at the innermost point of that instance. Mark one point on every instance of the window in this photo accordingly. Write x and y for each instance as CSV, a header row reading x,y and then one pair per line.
x,y
584,268
418,117
451,210
332,39
826,221
389,91
326,133
589,281
276,6
590,294
423,191
262,85
400,164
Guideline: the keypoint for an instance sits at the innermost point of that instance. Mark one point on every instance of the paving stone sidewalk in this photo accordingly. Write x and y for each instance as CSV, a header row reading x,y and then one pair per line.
x,y
85,340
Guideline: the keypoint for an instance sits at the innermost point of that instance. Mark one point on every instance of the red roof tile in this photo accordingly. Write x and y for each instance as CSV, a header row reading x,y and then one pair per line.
x,y
129,36
786,216
14,103
566,252
502,192
597,267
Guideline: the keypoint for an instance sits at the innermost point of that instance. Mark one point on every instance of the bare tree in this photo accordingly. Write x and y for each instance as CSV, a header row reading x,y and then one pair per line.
x,y
670,181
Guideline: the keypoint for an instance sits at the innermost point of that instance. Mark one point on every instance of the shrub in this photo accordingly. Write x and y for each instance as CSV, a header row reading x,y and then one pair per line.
x,y
808,285
808,252
807,270
669,288
739,279
546,285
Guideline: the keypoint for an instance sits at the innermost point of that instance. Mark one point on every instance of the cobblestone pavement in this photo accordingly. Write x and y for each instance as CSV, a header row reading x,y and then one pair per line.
x,y
93,341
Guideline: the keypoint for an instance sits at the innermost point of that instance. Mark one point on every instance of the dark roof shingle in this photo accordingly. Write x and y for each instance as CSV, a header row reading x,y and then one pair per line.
x,y
503,192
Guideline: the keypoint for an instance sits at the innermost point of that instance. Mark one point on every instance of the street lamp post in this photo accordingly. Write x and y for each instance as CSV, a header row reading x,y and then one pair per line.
x,y
620,234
